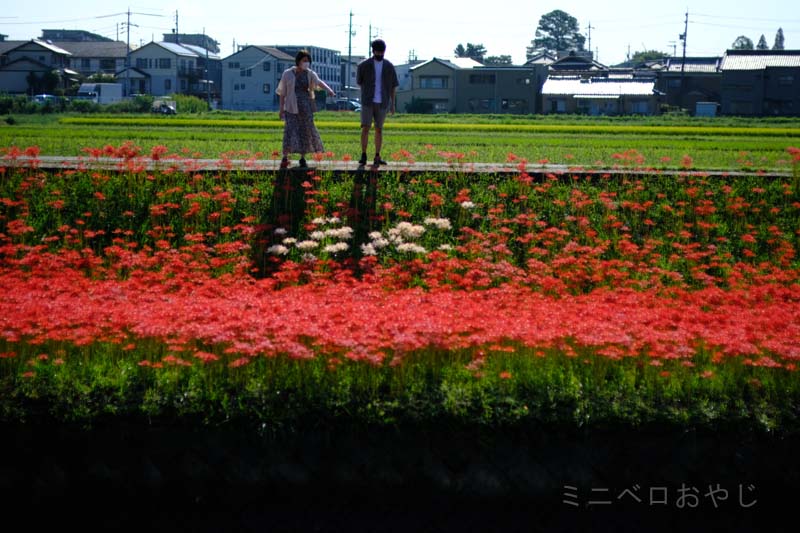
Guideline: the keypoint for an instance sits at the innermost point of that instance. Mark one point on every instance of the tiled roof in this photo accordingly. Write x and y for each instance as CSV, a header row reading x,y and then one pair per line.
x,y
44,44
199,50
277,54
178,49
694,64
758,60
452,62
574,86
112,49
5,46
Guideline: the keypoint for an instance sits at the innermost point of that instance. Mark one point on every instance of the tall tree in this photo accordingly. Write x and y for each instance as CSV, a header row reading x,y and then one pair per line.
x,y
475,51
762,43
742,42
648,55
557,31
498,61
778,40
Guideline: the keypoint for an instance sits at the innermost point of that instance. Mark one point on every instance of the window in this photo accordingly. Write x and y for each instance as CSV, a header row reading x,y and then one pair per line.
x,y
267,66
267,88
246,73
482,79
481,104
86,63
141,62
235,86
167,85
432,82
786,81
241,86
107,64
233,65
164,63
674,83
558,105
640,107
183,84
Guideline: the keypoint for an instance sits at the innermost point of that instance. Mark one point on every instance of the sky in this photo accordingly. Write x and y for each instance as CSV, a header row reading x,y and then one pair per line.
x,y
423,28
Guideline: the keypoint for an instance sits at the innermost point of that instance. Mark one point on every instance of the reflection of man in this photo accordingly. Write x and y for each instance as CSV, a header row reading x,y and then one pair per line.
x,y
378,81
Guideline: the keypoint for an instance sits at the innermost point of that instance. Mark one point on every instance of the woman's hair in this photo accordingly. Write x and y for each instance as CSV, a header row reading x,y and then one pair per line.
x,y
300,56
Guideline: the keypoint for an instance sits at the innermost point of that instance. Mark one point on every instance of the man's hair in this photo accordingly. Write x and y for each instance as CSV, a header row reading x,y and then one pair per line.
x,y
302,54
378,45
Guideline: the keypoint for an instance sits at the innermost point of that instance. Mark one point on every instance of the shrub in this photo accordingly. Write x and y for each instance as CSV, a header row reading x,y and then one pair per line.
x,y
84,106
417,105
190,104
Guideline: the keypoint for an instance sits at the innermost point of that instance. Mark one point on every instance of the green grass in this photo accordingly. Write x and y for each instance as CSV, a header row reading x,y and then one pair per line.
x,y
662,142
589,391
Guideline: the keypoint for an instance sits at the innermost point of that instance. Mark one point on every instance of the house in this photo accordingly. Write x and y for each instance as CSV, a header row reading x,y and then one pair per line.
x,y
434,82
600,95
571,62
196,39
463,85
95,57
404,74
687,82
541,58
350,88
250,77
761,82
29,67
327,63
74,36
161,69
500,89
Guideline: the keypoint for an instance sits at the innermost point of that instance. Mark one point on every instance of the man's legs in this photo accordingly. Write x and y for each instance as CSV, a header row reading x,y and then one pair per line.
x,y
364,138
378,140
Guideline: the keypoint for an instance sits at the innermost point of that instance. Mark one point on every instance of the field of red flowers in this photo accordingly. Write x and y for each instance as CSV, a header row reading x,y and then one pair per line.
x,y
217,294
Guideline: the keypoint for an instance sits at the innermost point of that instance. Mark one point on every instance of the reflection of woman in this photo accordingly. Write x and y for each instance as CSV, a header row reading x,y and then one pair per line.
x,y
296,90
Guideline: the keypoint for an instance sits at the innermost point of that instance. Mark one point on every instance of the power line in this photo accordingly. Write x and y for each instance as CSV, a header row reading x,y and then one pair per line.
x,y
744,18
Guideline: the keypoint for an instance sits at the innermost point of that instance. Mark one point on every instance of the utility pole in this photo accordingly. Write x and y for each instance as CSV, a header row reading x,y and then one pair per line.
x,y
177,39
683,61
350,34
590,28
128,57
208,82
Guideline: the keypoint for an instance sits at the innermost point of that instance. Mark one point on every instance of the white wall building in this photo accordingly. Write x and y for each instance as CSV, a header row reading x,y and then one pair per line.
x,y
250,77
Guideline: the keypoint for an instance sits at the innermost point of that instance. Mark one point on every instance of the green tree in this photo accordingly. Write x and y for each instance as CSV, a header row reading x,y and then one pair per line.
x,y
762,43
779,42
648,55
743,42
475,51
557,31
498,60
99,77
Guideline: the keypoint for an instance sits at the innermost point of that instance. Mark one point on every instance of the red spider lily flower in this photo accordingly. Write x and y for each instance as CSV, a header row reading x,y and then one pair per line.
x,y
505,375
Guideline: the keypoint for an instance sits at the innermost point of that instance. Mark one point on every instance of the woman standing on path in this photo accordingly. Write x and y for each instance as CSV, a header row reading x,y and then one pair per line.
x,y
296,90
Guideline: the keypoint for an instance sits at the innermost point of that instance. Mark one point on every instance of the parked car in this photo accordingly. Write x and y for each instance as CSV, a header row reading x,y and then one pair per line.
x,y
165,107
42,98
343,104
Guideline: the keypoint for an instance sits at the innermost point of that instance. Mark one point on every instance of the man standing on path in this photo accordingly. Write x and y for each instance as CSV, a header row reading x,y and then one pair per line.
x,y
378,81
